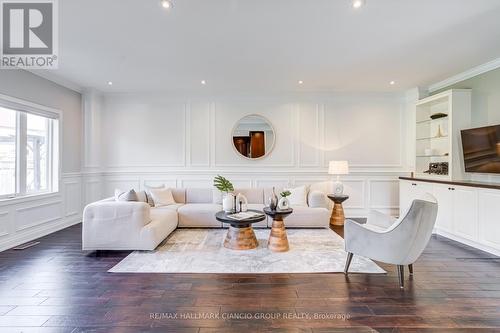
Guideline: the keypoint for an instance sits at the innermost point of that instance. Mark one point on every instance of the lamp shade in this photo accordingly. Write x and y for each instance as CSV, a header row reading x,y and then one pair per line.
x,y
338,168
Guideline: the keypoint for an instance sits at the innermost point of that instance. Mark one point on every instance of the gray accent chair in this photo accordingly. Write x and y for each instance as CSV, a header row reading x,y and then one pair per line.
x,y
398,242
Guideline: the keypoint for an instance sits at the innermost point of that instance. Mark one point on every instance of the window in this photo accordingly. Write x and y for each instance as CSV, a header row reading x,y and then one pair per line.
x,y
7,152
28,150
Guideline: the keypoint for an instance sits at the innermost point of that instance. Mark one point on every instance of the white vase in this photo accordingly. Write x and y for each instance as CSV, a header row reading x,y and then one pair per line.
x,y
228,202
284,203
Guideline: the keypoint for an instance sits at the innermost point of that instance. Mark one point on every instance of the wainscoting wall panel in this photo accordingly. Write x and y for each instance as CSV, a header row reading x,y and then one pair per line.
x,y
184,141
23,219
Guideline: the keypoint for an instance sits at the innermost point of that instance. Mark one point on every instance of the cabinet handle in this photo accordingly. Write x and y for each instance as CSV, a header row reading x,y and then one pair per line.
x,y
451,188
413,184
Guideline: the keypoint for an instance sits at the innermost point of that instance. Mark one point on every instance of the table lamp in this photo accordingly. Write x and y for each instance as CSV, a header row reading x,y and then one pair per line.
x,y
338,168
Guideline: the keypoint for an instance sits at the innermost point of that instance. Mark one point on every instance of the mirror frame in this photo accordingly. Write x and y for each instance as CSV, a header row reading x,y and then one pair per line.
x,y
272,145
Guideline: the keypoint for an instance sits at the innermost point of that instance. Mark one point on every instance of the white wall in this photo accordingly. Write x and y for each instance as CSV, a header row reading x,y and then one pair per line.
x,y
27,218
185,141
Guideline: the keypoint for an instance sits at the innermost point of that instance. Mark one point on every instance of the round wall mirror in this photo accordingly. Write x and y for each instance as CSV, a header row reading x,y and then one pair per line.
x,y
253,137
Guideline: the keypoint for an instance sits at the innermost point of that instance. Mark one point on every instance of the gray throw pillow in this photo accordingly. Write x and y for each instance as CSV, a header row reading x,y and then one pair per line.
x,y
126,196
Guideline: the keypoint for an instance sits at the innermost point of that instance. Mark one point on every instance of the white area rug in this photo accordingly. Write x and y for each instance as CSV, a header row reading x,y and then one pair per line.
x,y
202,251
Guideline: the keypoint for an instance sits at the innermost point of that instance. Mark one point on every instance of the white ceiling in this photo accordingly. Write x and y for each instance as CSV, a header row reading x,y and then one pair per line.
x,y
268,45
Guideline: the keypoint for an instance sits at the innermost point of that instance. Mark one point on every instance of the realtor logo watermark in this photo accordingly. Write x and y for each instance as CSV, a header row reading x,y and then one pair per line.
x,y
29,34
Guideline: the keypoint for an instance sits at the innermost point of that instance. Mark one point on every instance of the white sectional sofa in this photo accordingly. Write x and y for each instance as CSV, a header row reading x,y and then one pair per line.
x,y
116,225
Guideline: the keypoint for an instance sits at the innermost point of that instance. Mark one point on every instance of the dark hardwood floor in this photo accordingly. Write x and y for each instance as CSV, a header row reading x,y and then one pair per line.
x,y
55,287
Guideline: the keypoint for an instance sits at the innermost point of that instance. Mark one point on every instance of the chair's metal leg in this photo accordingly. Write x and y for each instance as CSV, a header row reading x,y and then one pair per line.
x,y
348,262
410,268
401,276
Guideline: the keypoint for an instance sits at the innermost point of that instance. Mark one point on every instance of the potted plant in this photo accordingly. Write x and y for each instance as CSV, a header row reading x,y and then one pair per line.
x,y
225,186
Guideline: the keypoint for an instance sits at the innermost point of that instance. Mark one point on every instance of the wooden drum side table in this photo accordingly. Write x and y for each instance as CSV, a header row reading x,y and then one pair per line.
x,y
278,240
337,219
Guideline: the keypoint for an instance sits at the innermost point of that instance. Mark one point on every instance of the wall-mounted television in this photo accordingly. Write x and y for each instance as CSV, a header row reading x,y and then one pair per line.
x,y
481,147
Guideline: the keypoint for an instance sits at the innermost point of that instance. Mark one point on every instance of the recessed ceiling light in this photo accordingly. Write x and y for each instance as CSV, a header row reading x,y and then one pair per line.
x,y
110,83
203,82
301,82
167,4
358,3
392,83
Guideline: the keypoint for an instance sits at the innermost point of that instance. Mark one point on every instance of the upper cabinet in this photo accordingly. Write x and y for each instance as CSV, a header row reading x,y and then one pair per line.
x,y
439,119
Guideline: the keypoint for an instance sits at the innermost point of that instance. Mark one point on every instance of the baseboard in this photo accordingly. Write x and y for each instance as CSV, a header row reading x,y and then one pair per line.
x,y
35,233
468,242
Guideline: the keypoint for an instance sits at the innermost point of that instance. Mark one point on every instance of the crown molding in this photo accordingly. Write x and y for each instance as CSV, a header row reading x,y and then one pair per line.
x,y
478,70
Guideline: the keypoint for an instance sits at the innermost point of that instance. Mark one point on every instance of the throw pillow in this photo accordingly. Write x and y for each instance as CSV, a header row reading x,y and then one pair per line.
x,y
162,197
149,198
298,196
126,196
142,196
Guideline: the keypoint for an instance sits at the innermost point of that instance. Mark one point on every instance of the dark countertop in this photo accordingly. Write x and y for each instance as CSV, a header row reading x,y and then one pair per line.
x,y
470,183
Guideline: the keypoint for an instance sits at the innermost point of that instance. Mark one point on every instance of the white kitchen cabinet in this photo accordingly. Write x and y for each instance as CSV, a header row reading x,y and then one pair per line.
x,y
411,190
444,219
489,217
466,214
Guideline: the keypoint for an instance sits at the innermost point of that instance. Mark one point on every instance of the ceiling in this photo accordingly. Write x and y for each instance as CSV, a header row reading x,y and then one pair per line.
x,y
269,45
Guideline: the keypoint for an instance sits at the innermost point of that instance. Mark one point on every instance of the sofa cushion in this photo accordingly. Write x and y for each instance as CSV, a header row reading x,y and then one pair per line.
x,y
298,196
199,195
317,199
129,195
199,215
179,195
305,217
253,195
173,207
162,197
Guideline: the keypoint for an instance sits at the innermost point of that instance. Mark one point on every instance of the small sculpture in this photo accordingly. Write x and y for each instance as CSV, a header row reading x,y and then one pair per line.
x,y
273,201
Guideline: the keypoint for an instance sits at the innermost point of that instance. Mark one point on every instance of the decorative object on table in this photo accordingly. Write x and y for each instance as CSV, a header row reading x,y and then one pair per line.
x,y
337,219
225,186
278,240
440,133
241,203
273,200
440,168
438,115
338,168
284,203
240,235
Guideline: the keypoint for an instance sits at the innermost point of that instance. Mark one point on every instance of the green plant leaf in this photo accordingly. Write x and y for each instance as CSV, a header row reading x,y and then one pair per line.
x,y
222,184
285,193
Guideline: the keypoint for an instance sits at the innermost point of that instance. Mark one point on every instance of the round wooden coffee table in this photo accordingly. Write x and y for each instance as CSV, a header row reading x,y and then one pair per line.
x,y
278,240
240,235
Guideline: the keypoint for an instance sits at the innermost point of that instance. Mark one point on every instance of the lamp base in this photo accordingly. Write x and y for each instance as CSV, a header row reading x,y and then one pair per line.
x,y
338,188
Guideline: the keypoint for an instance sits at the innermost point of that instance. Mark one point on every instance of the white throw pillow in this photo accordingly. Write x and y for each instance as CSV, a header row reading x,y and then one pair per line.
x,y
162,197
142,196
149,198
298,196
317,199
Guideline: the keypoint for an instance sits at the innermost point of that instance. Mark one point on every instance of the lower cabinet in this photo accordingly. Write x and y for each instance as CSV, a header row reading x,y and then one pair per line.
x,y
489,218
466,214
